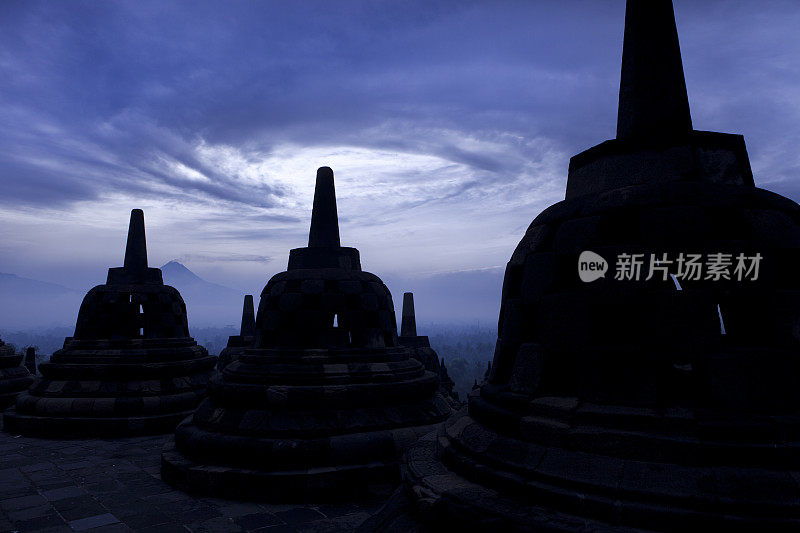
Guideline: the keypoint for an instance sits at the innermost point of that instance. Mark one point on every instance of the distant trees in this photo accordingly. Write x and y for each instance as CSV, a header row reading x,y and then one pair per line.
x,y
466,350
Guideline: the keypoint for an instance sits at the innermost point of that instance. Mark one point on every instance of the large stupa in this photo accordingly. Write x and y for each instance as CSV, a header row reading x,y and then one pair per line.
x,y
326,400
14,376
130,369
663,399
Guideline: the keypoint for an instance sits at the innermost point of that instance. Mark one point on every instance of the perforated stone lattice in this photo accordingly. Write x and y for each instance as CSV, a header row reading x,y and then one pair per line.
x,y
132,312
299,309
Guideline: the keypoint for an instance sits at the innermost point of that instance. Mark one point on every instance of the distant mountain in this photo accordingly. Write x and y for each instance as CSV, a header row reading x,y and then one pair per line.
x,y
207,304
29,303
468,296
14,283
176,274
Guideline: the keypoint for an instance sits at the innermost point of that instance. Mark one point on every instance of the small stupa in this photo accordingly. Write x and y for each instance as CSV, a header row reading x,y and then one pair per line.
x,y
621,400
326,400
247,331
446,384
420,347
131,367
14,376
30,360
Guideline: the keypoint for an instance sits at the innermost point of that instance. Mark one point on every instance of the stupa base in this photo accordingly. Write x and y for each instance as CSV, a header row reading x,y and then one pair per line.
x,y
124,391
328,482
433,497
468,475
14,379
313,484
66,427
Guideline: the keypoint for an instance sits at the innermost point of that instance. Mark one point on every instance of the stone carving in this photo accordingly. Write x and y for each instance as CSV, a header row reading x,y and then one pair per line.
x,y
620,404
131,368
325,401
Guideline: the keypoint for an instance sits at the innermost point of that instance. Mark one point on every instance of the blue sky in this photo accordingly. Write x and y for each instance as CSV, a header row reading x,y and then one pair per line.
x,y
449,126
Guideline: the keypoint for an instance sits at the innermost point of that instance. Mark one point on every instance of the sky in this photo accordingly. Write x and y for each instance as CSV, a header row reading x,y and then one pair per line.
x,y
449,126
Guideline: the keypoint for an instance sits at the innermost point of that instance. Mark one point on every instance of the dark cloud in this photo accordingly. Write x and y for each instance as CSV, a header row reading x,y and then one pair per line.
x,y
132,83
108,91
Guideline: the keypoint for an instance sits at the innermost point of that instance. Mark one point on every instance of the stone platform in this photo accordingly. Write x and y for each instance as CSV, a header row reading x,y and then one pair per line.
x,y
104,486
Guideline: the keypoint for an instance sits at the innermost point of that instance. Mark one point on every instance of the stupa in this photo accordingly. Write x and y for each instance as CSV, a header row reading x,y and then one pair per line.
x,y
325,401
421,349
247,331
446,385
30,360
616,403
130,369
14,377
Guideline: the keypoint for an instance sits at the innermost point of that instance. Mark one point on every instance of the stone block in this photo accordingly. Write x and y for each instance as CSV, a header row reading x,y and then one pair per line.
x,y
529,366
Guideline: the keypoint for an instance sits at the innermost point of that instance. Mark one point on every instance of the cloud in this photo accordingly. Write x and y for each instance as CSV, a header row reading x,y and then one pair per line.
x,y
213,258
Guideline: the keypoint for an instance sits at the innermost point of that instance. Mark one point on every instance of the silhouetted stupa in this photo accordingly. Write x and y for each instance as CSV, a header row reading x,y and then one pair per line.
x,y
131,368
247,331
30,360
14,377
421,349
326,401
617,404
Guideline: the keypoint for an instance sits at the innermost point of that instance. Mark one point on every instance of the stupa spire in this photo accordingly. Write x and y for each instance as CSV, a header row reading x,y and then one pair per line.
x,y
136,250
652,93
248,328
408,326
324,220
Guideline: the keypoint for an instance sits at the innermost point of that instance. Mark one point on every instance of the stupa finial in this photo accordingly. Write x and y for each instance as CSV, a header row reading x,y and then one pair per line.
x,y
248,328
324,220
136,250
408,326
652,95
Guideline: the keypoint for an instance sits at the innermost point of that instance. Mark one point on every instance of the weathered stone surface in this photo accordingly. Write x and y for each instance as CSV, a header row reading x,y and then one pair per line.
x,y
618,405
324,400
51,485
131,368
14,377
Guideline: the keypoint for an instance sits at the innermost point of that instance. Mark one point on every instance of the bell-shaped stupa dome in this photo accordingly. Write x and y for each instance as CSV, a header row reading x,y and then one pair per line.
x,y
131,368
325,401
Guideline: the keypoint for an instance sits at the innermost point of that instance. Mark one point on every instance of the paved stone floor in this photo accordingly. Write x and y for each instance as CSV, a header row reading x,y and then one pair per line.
x,y
115,485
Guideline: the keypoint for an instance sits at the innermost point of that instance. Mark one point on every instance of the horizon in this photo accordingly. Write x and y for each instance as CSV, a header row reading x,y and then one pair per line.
x,y
213,313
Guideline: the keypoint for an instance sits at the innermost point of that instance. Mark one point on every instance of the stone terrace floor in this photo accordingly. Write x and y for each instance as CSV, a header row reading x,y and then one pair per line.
x,y
115,485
